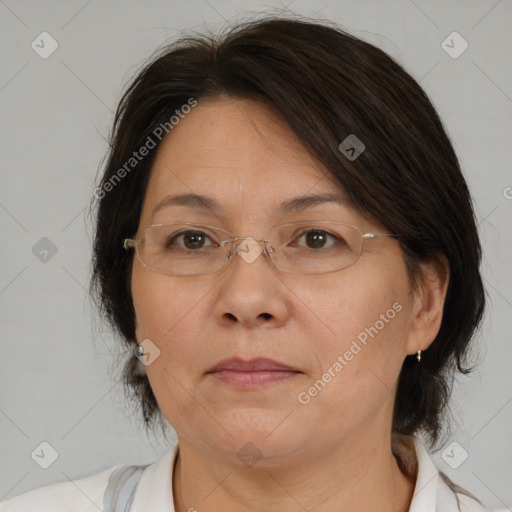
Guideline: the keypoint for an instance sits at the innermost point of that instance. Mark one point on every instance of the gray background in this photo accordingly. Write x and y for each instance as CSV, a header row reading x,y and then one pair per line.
x,y
59,366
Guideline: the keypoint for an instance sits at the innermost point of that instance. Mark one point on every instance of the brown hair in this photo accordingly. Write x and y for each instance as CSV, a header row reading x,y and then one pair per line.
x,y
326,84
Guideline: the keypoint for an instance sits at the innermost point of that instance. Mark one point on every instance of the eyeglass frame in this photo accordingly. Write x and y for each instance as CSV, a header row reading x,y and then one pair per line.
x,y
134,243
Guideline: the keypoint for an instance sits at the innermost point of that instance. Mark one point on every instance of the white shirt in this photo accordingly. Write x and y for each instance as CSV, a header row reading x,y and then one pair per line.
x,y
154,491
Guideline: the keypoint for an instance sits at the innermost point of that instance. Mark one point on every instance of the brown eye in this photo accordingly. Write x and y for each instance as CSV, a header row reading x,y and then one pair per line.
x,y
317,239
189,240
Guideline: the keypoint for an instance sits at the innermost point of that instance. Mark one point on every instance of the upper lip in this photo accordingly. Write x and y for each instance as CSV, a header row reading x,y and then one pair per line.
x,y
256,364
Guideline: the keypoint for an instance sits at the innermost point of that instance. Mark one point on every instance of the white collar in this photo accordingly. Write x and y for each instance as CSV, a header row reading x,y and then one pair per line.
x,y
431,493
428,480
154,491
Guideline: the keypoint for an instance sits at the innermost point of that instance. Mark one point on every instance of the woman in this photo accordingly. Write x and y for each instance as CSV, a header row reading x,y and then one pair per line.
x,y
287,244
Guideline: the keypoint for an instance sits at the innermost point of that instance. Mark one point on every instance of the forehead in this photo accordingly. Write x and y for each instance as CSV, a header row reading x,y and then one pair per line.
x,y
242,159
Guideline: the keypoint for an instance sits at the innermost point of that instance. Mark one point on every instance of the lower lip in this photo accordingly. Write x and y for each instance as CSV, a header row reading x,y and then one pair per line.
x,y
252,379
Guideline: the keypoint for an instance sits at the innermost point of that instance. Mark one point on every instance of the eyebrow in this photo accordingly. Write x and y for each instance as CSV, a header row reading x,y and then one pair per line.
x,y
293,205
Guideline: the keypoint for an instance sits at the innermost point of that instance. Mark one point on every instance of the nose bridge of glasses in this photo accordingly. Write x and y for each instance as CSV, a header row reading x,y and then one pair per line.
x,y
248,248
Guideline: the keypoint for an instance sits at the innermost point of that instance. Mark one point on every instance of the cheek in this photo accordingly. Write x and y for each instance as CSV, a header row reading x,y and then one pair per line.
x,y
368,317
357,305
167,310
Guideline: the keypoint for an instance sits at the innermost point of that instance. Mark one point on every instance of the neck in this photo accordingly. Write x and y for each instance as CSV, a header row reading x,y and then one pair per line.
x,y
357,476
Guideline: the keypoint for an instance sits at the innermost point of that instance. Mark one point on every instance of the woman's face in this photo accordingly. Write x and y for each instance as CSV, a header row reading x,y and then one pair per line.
x,y
350,329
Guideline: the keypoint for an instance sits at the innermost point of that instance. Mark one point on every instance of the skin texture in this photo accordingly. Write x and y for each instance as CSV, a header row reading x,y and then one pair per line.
x,y
334,452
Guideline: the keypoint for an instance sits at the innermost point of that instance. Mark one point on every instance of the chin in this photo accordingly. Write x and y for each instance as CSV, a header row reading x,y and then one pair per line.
x,y
267,437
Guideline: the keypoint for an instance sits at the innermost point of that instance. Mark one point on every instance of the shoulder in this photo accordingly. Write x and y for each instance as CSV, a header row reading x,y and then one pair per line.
x,y
122,487
84,494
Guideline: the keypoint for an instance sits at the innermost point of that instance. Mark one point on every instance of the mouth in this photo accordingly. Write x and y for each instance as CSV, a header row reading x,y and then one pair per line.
x,y
253,374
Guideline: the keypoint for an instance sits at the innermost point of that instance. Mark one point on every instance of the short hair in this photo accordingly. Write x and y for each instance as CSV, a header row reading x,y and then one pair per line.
x,y
327,85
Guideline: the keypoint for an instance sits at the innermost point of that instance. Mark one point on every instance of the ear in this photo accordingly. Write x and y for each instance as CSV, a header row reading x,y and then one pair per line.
x,y
428,304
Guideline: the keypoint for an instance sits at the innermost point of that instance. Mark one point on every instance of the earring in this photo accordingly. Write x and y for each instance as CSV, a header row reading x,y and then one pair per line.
x,y
140,368
418,356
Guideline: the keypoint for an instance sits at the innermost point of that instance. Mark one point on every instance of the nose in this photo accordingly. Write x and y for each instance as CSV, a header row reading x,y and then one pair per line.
x,y
251,292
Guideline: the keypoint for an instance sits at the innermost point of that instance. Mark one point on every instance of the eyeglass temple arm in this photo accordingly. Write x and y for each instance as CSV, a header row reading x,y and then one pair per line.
x,y
371,236
129,242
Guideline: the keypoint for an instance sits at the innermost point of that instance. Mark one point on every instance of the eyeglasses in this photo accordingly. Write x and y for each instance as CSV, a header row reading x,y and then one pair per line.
x,y
189,249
